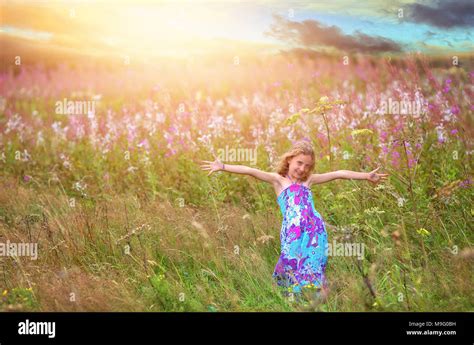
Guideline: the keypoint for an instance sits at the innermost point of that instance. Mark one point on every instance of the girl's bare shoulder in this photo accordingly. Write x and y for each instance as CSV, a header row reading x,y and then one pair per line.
x,y
308,183
281,181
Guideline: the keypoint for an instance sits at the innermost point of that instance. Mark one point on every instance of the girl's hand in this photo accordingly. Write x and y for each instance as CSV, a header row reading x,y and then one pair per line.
x,y
375,178
212,166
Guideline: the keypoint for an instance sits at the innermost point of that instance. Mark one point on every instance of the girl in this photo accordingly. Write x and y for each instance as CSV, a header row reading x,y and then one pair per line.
x,y
303,235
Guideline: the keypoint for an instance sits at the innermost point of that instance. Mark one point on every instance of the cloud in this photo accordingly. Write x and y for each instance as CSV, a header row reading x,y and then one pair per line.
x,y
310,33
444,14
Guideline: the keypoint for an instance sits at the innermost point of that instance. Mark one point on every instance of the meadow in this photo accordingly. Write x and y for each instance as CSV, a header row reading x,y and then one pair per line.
x,y
125,219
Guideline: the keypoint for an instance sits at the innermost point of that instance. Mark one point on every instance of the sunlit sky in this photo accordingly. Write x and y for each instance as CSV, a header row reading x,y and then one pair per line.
x,y
186,27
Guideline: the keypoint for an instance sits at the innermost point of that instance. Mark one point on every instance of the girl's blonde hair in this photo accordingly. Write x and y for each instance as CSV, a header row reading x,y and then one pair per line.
x,y
301,147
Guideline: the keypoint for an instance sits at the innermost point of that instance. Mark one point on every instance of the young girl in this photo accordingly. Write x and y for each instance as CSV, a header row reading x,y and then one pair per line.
x,y
303,235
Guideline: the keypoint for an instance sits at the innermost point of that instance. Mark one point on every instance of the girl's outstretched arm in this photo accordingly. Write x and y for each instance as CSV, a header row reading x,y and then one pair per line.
x,y
349,175
217,165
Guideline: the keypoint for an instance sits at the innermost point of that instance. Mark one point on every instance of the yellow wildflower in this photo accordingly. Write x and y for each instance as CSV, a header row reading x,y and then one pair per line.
x,y
323,99
423,232
363,131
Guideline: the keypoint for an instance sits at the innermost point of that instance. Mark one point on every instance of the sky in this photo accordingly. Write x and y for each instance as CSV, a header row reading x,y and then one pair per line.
x,y
185,27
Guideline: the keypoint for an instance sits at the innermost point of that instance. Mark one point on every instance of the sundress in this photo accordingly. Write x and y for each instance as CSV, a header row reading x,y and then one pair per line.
x,y
302,263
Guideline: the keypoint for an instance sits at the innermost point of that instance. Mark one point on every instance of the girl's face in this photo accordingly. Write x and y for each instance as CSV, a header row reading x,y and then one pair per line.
x,y
299,166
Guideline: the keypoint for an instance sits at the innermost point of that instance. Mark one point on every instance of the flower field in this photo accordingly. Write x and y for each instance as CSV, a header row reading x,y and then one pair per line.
x,y
99,166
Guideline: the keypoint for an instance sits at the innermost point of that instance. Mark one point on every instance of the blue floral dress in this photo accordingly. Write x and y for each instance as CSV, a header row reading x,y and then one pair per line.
x,y
303,237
